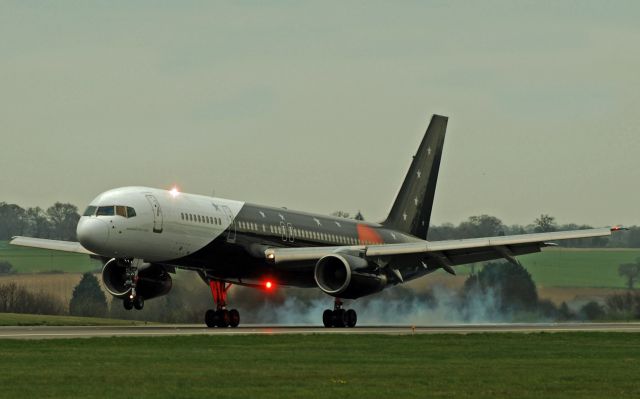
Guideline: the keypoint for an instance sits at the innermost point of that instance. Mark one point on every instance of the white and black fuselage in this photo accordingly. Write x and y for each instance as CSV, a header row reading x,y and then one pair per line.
x,y
224,238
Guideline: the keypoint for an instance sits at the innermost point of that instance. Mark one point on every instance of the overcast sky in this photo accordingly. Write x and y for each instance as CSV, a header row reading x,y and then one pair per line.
x,y
320,107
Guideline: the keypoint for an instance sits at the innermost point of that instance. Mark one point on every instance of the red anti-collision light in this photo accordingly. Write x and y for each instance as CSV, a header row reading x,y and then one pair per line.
x,y
268,285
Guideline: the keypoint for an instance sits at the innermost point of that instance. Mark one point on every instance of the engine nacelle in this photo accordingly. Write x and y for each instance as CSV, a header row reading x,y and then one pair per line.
x,y
153,280
344,276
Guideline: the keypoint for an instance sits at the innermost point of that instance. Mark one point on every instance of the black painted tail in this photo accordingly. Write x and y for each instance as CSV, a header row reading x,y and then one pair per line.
x,y
411,210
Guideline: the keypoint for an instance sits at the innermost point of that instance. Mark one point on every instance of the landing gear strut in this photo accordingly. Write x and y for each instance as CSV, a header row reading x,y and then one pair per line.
x,y
133,300
221,317
339,317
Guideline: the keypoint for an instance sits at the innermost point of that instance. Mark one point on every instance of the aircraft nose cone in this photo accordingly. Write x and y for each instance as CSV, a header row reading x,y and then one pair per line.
x,y
93,234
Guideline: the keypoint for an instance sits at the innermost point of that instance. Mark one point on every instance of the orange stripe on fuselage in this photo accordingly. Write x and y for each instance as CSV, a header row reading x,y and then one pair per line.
x,y
367,234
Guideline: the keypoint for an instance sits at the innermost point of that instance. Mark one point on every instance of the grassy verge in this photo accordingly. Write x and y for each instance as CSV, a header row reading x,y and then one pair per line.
x,y
16,319
321,366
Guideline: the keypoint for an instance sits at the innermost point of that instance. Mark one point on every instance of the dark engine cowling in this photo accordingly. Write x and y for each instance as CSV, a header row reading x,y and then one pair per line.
x,y
153,280
345,276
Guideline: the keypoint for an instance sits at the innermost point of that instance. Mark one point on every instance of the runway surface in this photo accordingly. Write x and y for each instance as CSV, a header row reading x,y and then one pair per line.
x,y
48,332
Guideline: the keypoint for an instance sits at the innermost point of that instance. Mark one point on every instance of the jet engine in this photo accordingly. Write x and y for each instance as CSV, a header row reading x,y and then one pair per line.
x,y
346,276
153,280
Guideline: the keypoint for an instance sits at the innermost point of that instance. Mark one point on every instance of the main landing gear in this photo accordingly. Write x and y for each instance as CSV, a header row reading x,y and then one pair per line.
x,y
339,317
221,317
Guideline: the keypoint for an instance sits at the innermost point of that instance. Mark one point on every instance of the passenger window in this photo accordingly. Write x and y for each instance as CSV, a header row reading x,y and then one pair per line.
x,y
121,211
89,211
105,211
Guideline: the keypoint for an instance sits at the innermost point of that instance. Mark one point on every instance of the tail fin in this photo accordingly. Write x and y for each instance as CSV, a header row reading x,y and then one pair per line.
x,y
411,210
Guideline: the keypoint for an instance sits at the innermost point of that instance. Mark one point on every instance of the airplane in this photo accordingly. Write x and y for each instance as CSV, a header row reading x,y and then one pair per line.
x,y
144,234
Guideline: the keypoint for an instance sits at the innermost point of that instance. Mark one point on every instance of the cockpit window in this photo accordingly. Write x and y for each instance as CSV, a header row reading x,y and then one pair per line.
x,y
105,211
121,211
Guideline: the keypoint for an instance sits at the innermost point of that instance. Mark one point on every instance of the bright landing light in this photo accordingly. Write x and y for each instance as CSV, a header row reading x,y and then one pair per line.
x,y
174,192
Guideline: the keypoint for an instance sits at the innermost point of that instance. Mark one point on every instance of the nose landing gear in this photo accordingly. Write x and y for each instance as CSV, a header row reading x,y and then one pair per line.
x,y
221,317
133,300
339,317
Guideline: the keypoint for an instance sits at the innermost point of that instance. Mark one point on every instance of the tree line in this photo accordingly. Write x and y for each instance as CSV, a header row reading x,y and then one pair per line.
x,y
57,222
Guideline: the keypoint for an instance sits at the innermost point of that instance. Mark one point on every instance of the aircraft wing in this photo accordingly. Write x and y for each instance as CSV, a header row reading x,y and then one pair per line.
x,y
444,253
65,246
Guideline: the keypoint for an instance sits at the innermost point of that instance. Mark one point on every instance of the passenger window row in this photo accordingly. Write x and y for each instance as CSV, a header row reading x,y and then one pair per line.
x,y
304,234
190,217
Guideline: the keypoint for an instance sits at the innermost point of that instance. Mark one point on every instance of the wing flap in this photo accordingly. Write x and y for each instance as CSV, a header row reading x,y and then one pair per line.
x,y
56,245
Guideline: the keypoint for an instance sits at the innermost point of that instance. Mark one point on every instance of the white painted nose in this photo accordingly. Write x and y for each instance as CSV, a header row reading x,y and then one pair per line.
x,y
93,234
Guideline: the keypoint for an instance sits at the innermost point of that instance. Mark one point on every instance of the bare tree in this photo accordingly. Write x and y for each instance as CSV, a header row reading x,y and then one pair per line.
x,y
545,223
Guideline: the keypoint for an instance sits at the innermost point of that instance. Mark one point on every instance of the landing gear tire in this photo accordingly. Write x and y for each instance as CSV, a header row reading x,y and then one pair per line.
x,y
234,318
210,318
351,318
222,316
339,318
138,303
127,303
327,318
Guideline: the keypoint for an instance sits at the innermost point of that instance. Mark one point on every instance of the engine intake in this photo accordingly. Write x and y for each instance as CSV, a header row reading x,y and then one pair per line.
x,y
344,276
153,280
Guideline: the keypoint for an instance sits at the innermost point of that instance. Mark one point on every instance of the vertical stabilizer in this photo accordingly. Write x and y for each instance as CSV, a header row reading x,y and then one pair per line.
x,y
411,210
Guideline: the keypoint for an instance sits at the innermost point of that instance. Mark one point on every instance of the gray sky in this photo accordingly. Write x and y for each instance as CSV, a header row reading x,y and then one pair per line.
x,y
321,108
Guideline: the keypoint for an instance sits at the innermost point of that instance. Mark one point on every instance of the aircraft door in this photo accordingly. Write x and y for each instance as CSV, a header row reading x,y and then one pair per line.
x,y
157,213
290,231
231,230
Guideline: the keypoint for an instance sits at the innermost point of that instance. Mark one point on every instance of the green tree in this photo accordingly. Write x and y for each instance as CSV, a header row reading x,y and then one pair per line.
x,y
511,285
630,271
481,226
37,223
64,219
592,311
6,267
12,220
88,299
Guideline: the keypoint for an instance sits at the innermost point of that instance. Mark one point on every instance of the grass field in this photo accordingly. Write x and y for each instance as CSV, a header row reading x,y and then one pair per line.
x,y
561,267
33,260
559,365
14,319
